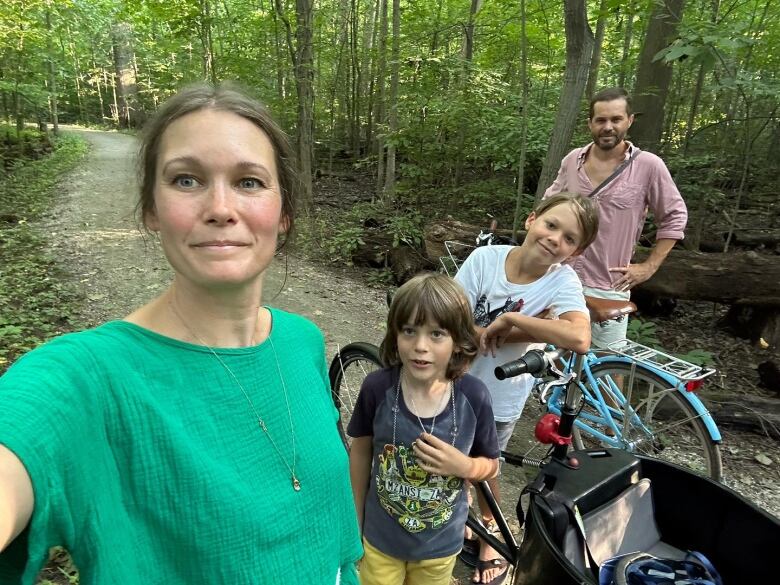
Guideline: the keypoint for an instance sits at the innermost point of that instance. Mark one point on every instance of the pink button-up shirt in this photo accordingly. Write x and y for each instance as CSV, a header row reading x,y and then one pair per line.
x,y
623,204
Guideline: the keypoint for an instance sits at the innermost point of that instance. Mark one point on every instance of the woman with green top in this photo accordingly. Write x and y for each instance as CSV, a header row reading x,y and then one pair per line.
x,y
193,442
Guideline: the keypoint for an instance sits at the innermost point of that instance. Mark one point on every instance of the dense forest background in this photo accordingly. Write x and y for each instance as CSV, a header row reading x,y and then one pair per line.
x,y
438,108
408,114
447,102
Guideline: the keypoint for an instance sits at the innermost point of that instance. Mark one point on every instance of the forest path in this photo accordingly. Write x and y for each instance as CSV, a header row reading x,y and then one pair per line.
x,y
94,232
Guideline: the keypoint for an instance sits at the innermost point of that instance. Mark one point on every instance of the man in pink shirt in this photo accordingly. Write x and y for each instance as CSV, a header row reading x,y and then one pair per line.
x,y
643,183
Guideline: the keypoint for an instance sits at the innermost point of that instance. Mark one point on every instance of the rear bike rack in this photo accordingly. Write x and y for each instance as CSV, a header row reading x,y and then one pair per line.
x,y
658,360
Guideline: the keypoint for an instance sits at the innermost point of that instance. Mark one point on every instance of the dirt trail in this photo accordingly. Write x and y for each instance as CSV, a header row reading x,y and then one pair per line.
x,y
93,230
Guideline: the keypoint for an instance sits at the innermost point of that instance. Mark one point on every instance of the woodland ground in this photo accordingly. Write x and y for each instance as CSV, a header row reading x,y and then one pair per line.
x,y
93,233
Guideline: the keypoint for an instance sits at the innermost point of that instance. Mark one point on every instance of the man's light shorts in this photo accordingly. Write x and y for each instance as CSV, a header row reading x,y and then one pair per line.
x,y
602,334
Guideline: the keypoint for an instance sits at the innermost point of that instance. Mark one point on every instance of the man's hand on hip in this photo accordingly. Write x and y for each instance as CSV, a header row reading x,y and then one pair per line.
x,y
633,275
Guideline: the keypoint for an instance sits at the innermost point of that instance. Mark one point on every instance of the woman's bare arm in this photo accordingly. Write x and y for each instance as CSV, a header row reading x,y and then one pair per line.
x,y
16,497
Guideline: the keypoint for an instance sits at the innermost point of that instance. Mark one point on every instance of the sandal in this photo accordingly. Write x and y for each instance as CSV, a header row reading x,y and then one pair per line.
x,y
499,563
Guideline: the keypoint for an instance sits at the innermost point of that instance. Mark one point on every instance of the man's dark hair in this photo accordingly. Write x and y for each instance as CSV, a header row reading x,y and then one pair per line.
x,y
608,95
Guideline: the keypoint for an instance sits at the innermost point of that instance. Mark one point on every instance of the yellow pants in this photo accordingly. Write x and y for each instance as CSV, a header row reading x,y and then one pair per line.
x,y
377,568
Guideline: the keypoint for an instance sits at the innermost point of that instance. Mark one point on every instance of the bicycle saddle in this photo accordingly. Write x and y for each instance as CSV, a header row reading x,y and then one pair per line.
x,y
607,309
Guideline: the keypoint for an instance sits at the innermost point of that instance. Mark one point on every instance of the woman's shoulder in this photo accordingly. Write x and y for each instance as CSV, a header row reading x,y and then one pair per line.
x,y
286,322
94,340
73,358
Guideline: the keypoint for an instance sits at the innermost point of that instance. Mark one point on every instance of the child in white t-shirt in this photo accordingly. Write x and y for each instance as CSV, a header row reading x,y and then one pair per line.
x,y
506,287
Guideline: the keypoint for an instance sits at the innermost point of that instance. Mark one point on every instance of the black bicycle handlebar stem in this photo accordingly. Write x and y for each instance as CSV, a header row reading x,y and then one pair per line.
x,y
536,362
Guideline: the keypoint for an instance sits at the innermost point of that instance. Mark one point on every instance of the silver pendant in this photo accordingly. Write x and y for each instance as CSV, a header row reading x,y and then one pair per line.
x,y
296,484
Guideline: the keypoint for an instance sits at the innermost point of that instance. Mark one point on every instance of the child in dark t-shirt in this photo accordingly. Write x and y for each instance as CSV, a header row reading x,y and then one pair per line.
x,y
420,428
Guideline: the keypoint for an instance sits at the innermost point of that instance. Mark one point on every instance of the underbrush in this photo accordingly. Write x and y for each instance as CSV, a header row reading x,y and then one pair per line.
x,y
36,303
16,147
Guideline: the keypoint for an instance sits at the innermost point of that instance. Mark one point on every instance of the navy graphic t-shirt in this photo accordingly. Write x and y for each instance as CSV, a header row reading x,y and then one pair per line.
x,y
409,513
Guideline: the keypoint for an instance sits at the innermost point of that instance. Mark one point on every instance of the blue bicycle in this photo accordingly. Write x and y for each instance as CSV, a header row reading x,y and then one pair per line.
x,y
634,397
642,400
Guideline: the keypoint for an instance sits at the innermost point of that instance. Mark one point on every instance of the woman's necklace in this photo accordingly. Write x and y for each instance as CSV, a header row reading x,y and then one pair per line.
x,y
396,407
296,484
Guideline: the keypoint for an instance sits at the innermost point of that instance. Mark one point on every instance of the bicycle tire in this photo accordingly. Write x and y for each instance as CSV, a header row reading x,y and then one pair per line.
x,y
673,430
348,369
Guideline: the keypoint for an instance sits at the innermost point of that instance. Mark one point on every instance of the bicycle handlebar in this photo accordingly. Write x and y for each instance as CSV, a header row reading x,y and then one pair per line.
x,y
535,362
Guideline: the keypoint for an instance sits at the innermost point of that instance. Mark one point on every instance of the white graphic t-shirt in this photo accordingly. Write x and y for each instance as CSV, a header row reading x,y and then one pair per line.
x,y
483,276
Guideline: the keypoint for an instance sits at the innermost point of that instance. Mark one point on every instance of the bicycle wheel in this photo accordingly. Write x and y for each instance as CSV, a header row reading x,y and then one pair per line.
x,y
347,371
660,422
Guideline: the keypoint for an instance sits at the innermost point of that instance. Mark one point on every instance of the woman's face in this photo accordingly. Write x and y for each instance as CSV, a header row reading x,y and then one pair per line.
x,y
217,200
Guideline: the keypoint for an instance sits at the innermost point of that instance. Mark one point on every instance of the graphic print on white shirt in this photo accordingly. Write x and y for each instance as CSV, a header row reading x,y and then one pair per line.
x,y
483,316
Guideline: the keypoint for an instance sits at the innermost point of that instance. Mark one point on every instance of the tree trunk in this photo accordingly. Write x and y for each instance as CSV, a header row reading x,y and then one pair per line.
x,y
125,81
52,74
356,81
654,76
207,42
389,189
628,37
369,64
595,61
380,100
753,413
467,54
741,278
281,89
98,74
523,123
340,40
745,278
304,81
302,58
579,47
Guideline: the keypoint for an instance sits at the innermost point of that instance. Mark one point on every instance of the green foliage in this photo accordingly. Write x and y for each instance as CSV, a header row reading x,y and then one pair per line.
x,y
643,331
404,228
698,357
344,241
37,303
381,278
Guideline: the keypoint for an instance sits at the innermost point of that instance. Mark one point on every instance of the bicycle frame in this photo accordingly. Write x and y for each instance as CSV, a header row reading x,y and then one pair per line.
x,y
611,416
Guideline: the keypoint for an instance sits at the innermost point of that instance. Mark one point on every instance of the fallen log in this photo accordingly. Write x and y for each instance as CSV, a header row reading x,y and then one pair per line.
x,y
377,251
742,278
753,413
450,230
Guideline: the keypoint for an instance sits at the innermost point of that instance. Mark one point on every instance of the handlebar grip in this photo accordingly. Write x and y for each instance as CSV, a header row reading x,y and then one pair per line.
x,y
532,363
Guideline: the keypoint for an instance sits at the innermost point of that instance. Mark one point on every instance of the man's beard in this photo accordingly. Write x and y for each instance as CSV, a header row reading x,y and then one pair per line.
x,y
616,139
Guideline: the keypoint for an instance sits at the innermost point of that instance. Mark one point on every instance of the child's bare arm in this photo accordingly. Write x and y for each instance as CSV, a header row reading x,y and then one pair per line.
x,y
16,497
360,472
570,331
436,456
516,335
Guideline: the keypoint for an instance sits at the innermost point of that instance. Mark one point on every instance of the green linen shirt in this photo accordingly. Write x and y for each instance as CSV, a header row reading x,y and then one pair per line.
x,y
149,466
